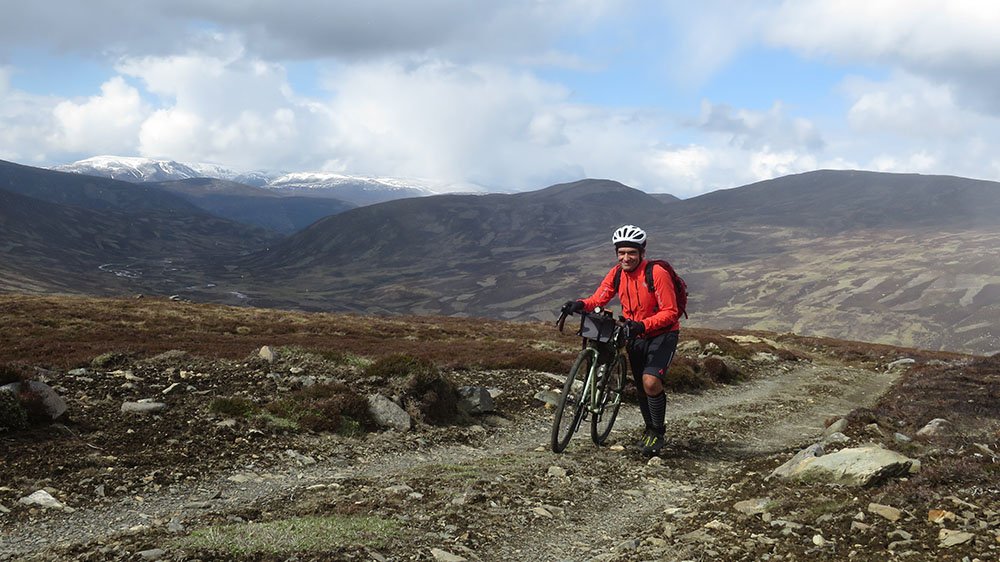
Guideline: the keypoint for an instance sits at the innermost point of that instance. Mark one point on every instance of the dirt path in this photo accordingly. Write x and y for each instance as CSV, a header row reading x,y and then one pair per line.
x,y
503,495
714,434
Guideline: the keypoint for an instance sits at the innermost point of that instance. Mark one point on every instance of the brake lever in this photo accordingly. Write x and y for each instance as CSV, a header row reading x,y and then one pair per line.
x,y
561,321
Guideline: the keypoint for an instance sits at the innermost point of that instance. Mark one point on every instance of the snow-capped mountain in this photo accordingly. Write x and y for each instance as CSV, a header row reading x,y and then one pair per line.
x,y
358,190
131,169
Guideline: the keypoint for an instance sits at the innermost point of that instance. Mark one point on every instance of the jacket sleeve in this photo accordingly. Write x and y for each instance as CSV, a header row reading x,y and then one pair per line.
x,y
604,293
667,314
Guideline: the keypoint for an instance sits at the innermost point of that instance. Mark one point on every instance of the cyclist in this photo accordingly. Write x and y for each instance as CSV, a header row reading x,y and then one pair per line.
x,y
651,317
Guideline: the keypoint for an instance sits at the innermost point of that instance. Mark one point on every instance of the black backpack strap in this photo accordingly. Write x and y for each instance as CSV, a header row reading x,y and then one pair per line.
x,y
649,275
618,278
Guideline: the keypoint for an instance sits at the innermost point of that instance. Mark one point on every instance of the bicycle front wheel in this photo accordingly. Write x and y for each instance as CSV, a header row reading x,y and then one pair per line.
x,y
609,399
570,408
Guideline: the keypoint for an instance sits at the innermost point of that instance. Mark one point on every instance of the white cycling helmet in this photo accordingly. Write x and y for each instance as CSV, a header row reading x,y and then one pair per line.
x,y
629,235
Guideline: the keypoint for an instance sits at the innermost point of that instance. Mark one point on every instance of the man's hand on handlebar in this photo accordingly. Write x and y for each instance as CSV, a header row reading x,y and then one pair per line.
x,y
572,307
634,329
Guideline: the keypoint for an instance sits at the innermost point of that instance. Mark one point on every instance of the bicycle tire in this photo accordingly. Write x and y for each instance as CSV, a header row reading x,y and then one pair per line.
x,y
609,397
570,408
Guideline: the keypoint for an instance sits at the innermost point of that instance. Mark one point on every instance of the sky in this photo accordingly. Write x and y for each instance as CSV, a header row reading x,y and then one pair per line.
x,y
511,95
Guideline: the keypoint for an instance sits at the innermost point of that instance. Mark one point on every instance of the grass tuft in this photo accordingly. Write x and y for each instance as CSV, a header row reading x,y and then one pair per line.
x,y
233,407
400,366
541,361
110,360
286,537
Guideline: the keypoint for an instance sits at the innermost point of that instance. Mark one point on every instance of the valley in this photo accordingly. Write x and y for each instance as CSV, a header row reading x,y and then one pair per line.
x,y
889,258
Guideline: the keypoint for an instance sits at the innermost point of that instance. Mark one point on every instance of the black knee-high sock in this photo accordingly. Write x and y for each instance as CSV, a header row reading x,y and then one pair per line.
x,y
657,411
643,401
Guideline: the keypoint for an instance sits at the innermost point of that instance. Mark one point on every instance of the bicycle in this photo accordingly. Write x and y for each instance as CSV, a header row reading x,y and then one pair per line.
x,y
596,381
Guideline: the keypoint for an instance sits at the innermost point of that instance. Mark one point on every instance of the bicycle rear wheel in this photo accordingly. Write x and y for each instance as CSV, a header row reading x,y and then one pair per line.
x,y
570,408
609,396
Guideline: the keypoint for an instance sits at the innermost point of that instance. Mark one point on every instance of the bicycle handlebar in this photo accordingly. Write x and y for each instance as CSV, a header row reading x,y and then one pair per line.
x,y
564,314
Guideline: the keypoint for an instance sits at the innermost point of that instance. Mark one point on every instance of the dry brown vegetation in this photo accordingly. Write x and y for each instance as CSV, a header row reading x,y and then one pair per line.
x,y
251,408
970,392
63,332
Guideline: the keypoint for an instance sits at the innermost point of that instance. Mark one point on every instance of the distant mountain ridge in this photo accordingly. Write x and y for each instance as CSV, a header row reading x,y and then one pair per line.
x,y
833,200
904,259
355,190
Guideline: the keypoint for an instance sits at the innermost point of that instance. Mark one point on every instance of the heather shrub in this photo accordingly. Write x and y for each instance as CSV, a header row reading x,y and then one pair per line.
x,y
685,375
431,397
719,371
400,366
13,372
12,415
324,407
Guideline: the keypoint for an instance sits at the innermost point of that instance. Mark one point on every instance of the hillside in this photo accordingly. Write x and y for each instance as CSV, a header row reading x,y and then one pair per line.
x,y
894,258
831,201
901,259
449,254
267,456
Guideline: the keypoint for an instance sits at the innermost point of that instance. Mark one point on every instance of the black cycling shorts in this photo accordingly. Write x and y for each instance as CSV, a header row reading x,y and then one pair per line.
x,y
652,356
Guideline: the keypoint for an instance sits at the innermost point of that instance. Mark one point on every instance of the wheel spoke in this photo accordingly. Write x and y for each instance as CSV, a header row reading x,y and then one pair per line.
x,y
571,407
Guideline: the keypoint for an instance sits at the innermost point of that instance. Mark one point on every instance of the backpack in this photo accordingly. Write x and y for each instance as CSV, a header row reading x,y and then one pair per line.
x,y
680,287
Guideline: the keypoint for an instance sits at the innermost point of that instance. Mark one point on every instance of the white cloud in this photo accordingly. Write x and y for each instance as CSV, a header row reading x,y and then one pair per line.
x,y
754,129
303,29
918,32
437,119
682,170
918,162
106,123
906,105
227,108
26,123
470,92
952,43
768,164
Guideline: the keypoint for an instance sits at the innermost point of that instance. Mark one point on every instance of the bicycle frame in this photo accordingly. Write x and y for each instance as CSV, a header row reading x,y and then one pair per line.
x,y
590,385
596,392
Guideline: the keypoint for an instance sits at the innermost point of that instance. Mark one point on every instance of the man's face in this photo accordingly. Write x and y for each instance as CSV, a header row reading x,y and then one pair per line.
x,y
629,258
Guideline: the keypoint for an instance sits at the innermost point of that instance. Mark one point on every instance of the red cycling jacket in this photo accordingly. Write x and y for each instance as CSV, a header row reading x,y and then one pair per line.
x,y
656,310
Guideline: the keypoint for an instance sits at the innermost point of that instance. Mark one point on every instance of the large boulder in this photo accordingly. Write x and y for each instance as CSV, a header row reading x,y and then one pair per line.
x,y
387,413
475,400
37,398
858,466
794,464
